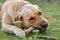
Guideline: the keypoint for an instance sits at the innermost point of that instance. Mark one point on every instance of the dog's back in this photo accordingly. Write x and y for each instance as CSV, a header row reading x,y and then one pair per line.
x,y
13,0
14,3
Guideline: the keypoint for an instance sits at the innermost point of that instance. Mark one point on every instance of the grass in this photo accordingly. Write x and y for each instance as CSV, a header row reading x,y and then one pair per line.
x,y
51,11
2,0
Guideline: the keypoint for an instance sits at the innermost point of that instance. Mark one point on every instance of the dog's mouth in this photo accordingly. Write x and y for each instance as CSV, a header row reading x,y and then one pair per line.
x,y
43,27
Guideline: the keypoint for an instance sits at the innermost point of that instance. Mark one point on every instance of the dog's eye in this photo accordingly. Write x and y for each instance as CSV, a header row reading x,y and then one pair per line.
x,y
32,18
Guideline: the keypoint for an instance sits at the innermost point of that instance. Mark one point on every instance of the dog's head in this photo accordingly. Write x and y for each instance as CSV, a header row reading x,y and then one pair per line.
x,y
31,16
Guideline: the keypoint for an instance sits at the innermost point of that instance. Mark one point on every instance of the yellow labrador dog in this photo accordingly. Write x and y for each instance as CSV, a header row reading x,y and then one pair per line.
x,y
28,14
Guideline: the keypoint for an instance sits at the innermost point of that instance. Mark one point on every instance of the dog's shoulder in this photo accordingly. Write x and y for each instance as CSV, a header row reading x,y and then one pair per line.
x,y
12,6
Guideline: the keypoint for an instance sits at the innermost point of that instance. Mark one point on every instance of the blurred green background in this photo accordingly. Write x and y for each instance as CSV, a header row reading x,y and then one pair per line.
x,y
51,11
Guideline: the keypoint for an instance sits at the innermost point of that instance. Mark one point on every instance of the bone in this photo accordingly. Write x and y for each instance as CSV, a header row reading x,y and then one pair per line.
x,y
29,30
19,24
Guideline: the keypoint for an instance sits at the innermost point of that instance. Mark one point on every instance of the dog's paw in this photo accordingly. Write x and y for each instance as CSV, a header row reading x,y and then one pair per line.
x,y
20,33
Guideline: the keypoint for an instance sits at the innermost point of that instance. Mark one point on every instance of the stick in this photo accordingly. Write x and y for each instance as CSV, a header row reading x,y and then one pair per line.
x,y
45,37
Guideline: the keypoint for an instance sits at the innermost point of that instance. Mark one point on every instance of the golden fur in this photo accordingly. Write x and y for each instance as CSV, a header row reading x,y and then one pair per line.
x,y
14,10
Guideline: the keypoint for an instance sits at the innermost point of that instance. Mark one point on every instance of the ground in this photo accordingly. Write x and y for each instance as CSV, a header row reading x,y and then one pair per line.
x,y
51,11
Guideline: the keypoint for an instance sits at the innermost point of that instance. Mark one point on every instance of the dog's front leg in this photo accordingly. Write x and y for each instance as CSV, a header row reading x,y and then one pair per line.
x,y
7,27
13,29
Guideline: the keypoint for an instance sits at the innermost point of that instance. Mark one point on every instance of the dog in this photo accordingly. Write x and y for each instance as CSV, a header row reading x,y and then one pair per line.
x,y
20,10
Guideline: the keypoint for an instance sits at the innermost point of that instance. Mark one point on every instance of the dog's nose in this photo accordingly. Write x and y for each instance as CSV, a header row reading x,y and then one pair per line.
x,y
44,24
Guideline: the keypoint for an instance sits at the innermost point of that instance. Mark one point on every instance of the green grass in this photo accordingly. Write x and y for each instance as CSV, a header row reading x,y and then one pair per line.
x,y
51,11
2,0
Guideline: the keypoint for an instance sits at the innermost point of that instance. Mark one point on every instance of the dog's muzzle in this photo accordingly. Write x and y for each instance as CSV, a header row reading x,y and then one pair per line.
x,y
43,26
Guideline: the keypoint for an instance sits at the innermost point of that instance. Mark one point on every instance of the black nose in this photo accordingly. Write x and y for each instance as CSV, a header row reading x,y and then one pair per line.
x,y
44,25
